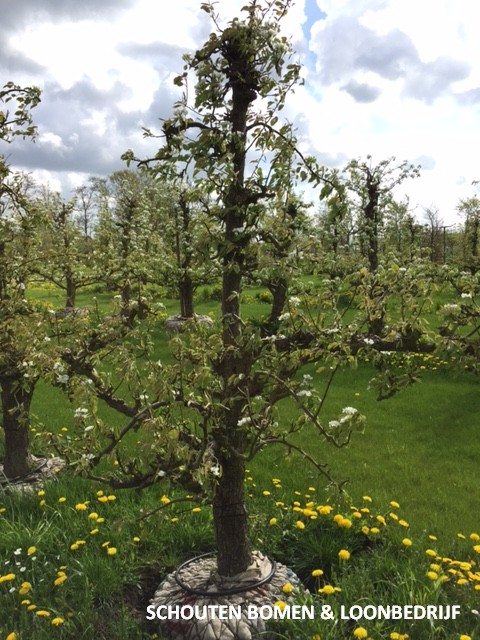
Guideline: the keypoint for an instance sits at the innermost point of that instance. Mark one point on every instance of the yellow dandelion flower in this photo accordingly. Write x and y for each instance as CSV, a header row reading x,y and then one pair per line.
x,y
394,504
111,551
111,498
42,613
280,605
7,578
12,636
407,542
381,520
287,588
317,572
327,590
58,621
74,547
431,552
266,493
136,539
196,509
62,499
432,575
31,550
367,499
345,523
93,515
165,499
403,523
299,525
360,632
40,493
325,510
100,520
31,607
60,580
102,499
25,602
357,515
343,554
99,493
474,536
433,538
365,530
374,530
25,588
272,521
464,637
42,503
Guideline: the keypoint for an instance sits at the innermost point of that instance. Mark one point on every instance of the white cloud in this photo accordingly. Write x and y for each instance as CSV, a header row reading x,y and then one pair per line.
x,y
383,77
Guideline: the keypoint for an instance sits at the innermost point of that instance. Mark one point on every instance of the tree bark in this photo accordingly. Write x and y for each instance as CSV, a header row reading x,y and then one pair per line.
x,y
230,517
16,400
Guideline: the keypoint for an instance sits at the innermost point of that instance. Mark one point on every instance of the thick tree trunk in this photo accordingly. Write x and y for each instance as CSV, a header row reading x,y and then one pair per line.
x,y
230,516
16,402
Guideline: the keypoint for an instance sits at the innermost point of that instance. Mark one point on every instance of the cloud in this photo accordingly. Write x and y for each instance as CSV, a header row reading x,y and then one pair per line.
x,y
361,92
347,50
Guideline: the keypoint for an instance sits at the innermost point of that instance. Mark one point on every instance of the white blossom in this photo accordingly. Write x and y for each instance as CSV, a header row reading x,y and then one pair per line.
x,y
349,411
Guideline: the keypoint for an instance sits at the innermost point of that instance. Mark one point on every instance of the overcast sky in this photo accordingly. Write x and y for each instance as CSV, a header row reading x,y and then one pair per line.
x,y
382,77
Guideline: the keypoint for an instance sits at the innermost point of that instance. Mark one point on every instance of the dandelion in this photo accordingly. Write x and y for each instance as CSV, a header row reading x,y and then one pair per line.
x,y
345,523
272,521
62,499
25,588
165,500
360,632
475,537
317,572
432,575
7,578
287,588
60,580
102,499
328,590
12,636
58,621
111,551
136,539
31,550
464,637
343,554
403,523
42,613
280,605
299,525
407,542
93,515
265,493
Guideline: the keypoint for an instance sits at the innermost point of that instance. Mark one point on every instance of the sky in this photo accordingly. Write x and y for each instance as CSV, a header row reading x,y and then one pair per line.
x,y
383,78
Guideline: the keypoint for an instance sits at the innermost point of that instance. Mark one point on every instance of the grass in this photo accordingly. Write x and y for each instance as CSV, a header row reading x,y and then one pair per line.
x,y
418,449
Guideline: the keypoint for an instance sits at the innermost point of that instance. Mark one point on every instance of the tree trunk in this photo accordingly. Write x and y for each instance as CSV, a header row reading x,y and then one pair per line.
x,y
230,517
71,290
279,291
16,400
186,296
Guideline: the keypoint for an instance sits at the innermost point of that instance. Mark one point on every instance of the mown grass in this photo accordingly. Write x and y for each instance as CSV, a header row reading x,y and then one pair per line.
x,y
418,448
